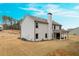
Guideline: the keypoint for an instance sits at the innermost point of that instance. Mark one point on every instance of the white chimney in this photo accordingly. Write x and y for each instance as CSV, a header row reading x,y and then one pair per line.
x,y
50,30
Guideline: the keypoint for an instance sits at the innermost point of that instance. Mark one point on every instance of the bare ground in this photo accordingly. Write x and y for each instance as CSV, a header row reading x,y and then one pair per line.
x,y
10,45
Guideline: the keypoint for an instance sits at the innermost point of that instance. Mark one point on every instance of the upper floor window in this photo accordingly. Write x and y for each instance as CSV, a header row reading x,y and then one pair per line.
x,y
54,27
36,25
60,27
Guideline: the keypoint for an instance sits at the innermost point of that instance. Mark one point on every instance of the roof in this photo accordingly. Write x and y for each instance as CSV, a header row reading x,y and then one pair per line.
x,y
42,20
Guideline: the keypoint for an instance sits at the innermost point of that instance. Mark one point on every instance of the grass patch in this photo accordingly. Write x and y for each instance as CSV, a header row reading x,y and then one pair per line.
x,y
70,50
77,42
63,52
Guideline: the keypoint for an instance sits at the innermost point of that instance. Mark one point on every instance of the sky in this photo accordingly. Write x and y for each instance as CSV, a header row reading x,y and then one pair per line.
x,y
67,14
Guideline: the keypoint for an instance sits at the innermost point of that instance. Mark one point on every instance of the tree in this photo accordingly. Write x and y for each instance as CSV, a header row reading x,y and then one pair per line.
x,y
8,21
11,23
5,20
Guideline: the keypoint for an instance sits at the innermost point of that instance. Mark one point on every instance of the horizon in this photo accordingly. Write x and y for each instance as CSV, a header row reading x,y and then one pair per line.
x,y
66,14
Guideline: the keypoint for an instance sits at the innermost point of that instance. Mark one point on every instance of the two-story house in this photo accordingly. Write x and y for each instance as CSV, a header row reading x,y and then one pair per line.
x,y
37,29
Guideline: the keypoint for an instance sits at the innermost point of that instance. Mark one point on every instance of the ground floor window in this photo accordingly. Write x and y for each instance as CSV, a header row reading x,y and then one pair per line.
x,y
45,35
36,35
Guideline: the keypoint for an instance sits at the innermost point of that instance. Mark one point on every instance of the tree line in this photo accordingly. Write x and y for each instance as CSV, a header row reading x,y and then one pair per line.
x,y
10,23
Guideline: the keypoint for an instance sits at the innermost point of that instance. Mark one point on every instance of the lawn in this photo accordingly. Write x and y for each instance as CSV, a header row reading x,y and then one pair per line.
x,y
71,50
11,45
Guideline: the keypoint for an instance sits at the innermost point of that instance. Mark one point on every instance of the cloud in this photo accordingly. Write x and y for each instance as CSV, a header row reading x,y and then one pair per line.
x,y
40,14
56,10
70,16
32,5
45,8
37,11
68,13
52,6
30,8
76,7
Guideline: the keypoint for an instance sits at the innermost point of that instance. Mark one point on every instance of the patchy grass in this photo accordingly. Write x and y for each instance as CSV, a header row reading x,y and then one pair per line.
x,y
63,52
11,45
71,50
77,42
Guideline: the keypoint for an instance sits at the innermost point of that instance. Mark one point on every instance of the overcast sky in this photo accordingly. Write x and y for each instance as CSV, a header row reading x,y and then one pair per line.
x,y
65,14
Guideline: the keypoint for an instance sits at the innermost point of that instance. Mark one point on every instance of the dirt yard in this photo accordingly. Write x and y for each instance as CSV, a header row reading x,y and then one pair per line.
x,y
11,45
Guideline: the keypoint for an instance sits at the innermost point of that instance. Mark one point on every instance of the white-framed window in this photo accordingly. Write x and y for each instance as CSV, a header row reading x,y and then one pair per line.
x,y
36,24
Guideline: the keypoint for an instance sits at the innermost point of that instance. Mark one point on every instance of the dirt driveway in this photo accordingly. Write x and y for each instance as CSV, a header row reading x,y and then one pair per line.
x,y
11,45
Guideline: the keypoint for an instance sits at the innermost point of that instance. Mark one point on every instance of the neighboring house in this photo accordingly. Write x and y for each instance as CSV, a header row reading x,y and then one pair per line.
x,y
74,31
1,27
37,29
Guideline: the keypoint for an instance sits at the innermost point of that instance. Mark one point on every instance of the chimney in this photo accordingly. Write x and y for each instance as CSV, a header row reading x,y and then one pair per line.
x,y
50,29
49,17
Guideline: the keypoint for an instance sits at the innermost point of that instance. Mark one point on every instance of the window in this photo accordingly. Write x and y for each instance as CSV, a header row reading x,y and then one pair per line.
x,y
36,25
36,36
54,27
60,27
46,35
